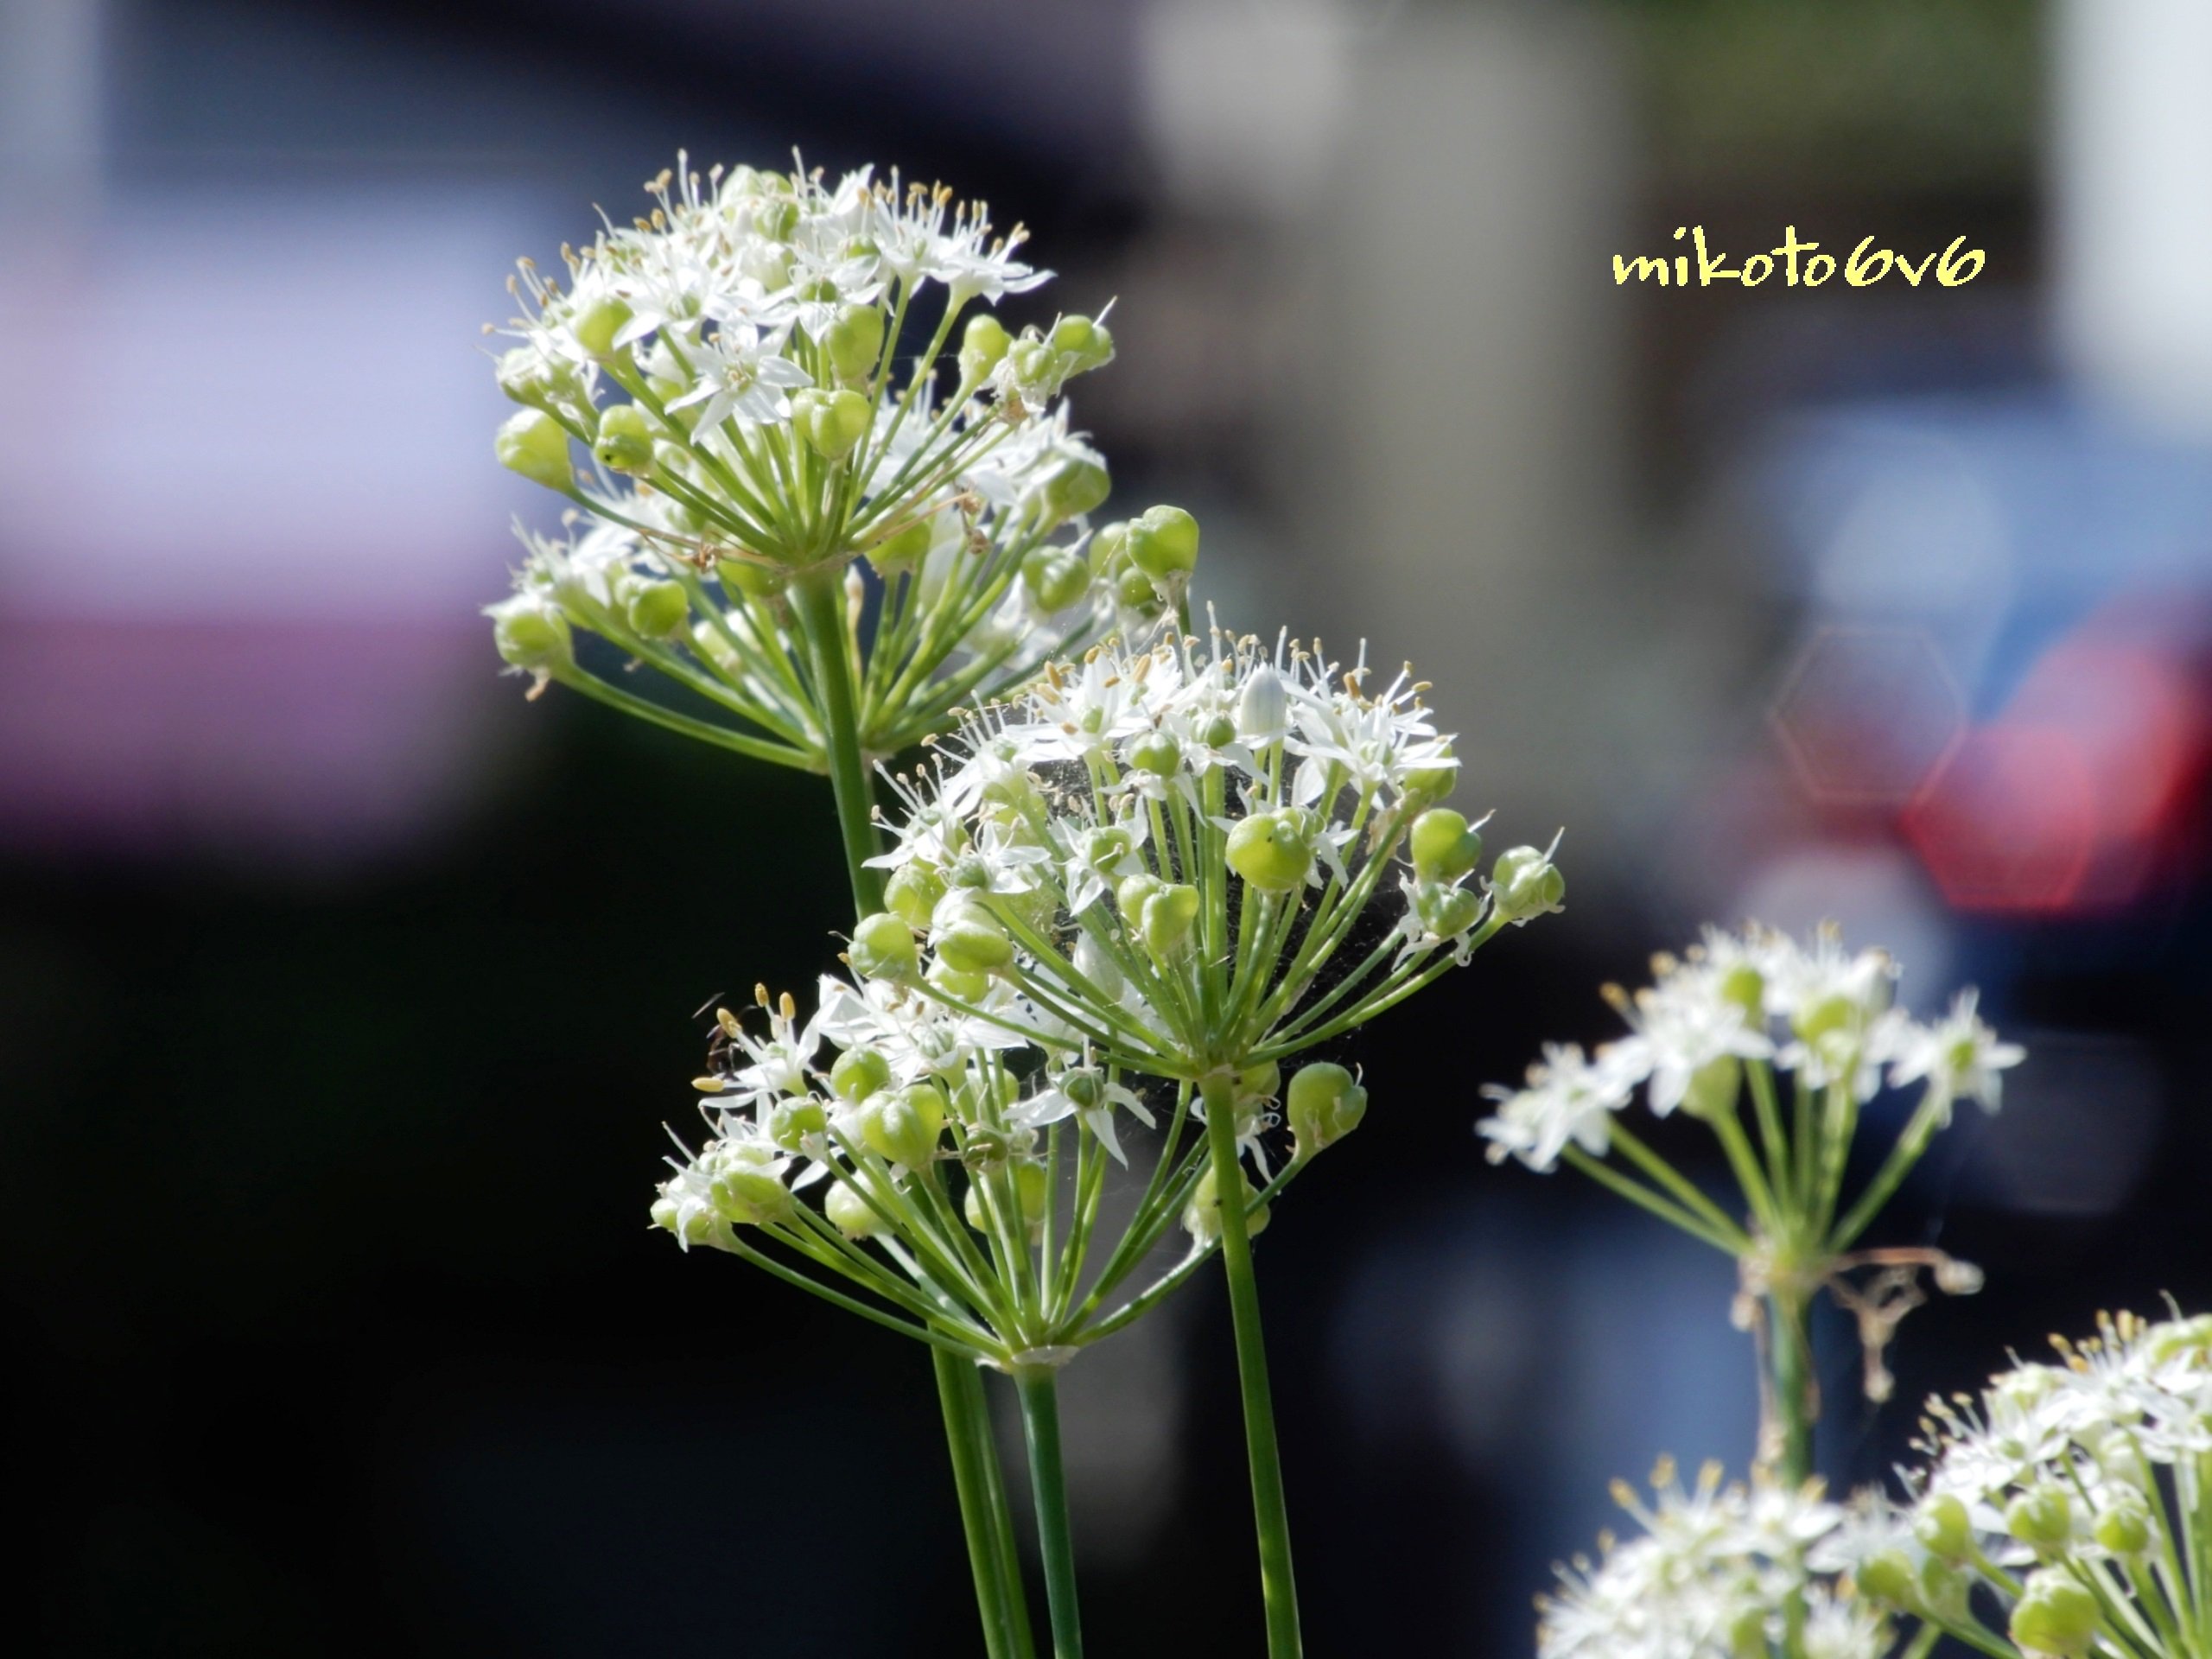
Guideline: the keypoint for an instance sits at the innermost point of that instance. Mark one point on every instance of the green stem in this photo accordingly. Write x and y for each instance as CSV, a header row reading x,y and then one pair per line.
x,y
819,600
1277,1584
991,1553
1040,1422
980,1481
1790,1358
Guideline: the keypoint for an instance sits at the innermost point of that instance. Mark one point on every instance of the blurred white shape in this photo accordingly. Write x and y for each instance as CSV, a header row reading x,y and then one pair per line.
x,y
2081,1117
1876,894
1241,100
250,402
2133,219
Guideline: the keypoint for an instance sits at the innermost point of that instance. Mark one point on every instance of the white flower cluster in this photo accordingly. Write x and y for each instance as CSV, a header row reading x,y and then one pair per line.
x,y
1716,1572
1163,849
1814,1009
729,365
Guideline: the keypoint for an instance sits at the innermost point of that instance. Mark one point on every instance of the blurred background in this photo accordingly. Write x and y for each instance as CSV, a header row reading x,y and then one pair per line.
x,y
343,996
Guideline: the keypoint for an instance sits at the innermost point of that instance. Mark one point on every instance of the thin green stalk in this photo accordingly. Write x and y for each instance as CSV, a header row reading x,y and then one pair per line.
x,y
968,1433
1270,1516
1040,1423
1790,1358
817,596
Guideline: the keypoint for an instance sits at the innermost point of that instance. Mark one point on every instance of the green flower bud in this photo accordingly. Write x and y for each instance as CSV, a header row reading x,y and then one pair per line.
x,y
1526,885
2125,1528
1078,486
1133,591
695,1227
912,893
792,1120
2043,1518
1444,849
903,551
1273,851
1326,1104
1107,548
833,423
1945,1588
1446,912
1130,894
774,218
1711,1092
981,348
624,443
883,948
1031,1191
597,324
750,579
962,987
1163,542
1157,753
1084,344
1261,1082
854,341
1202,1215
658,610
858,1073
531,634
973,943
533,443
1169,917
750,1197
1035,363
1888,1577
904,1127
530,381
1432,783
1745,987
1943,1526
851,1214
1055,577
2055,1616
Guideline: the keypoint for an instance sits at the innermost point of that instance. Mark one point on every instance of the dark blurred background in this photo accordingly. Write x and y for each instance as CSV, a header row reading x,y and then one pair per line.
x,y
343,996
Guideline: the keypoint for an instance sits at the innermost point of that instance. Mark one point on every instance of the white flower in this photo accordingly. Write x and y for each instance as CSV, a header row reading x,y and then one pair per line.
x,y
741,372
1567,1099
1682,1025
1959,1056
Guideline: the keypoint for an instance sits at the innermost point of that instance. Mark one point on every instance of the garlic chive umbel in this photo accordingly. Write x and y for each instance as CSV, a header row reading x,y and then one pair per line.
x,y
2068,1510
1180,855
1776,1047
804,493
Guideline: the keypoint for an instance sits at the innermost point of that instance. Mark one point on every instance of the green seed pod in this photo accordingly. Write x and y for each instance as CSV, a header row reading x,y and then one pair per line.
x,y
532,381
851,1214
1446,912
854,341
1444,849
1526,885
532,634
597,324
858,1073
904,1127
2055,1616
1261,1082
1108,548
750,579
1713,1086
1170,915
1031,1190
1130,894
624,443
774,218
1035,363
792,1120
972,942
658,610
1943,1526
750,1197
1273,851
1432,783
1888,1577
960,986
883,948
1055,578
2043,1518
1163,542
981,348
835,423
1133,591
1744,986
1326,1104
1202,1215
913,893
533,443
1076,486
1082,344
903,551
2125,1528
1157,753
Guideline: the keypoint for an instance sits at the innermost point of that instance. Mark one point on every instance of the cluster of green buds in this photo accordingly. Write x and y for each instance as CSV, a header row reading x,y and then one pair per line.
x,y
943,1172
797,518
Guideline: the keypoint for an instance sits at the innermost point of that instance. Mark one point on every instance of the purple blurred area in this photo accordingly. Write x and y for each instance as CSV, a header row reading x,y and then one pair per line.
x,y
343,995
